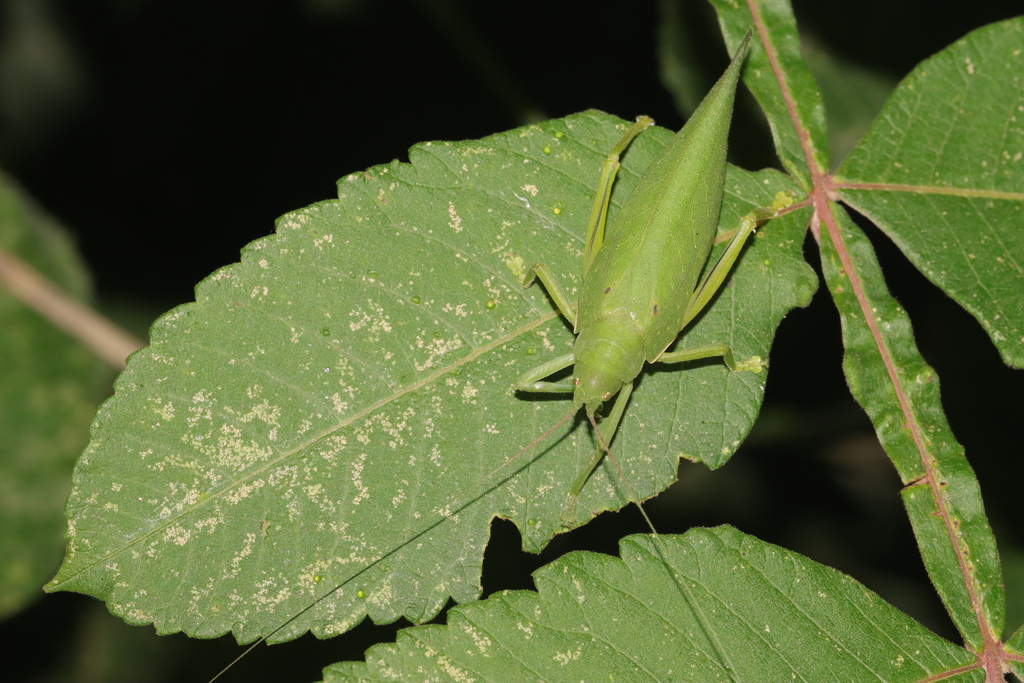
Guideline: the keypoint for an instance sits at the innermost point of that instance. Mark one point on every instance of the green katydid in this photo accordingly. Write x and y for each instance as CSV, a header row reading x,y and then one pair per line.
x,y
640,277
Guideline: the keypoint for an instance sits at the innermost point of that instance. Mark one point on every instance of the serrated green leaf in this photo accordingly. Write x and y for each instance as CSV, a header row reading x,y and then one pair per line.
x,y
941,172
900,393
47,398
330,421
780,80
736,609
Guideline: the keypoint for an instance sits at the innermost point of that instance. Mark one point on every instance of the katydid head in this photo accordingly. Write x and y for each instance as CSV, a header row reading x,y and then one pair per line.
x,y
609,355
592,390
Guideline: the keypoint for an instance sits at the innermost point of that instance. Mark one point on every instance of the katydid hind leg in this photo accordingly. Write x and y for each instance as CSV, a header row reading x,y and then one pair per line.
x,y
595,226
714,280
719,273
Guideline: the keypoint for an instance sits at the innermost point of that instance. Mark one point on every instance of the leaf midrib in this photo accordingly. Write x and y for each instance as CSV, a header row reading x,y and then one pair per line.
x,y
218,495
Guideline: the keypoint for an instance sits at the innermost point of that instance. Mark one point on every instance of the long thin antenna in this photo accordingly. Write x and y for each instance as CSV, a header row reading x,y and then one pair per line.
x,y
659,543
239,657
263,639
634,497
622,476
546,434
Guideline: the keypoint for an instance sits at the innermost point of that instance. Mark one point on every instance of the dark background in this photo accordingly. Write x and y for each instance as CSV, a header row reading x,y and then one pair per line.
x,y
166,135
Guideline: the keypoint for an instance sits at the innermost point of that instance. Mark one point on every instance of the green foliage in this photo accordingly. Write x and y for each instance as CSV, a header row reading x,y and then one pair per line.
x,y
47,398
324,434
732,608
347,386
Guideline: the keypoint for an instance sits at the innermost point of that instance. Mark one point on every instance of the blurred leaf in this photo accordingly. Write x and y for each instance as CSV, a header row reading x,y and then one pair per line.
x,y
1013,573
42,79
679,74
47,396
853,97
